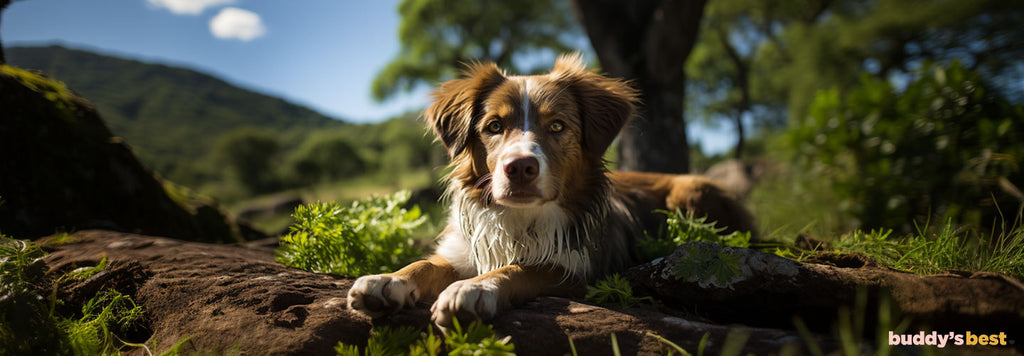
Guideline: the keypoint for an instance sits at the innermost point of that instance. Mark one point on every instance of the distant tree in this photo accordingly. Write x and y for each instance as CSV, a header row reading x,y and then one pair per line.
x,y
724,83
769,58
647,41
3,6
438,36
247,155
326,158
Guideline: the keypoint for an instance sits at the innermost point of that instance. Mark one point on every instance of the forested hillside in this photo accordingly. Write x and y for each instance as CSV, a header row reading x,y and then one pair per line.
x,y
172,117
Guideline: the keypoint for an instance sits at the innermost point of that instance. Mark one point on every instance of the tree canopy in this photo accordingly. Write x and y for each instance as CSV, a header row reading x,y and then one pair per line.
x,y
767,59
439,36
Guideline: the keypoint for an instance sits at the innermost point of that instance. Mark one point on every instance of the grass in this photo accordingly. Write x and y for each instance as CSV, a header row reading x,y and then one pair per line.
x,y
850,324
949,249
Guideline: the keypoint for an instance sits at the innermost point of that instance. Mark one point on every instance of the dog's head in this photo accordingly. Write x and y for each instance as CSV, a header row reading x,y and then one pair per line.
x,y
522,141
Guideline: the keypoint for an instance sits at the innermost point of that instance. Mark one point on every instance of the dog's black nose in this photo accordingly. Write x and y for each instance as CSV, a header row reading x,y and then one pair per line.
x,y
522,170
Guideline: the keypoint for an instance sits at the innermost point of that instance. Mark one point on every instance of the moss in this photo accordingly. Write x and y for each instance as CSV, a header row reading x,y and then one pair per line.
x,y
55,91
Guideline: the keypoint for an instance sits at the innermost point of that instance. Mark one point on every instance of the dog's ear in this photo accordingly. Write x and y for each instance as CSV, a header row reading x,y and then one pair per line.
x,y
605,104
458,103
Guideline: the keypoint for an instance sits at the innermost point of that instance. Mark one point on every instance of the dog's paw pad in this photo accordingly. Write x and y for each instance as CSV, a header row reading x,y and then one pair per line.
x,y
466,300
381,294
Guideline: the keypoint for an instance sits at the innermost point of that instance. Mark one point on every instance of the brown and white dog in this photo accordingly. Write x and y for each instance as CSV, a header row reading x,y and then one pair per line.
x,y
534,211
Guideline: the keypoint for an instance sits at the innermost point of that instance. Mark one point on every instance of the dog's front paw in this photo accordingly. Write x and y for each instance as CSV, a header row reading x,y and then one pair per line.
x,y
466,300
381,294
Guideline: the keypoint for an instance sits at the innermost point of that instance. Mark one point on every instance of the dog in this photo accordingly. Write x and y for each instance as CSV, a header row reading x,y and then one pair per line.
x,y
533,210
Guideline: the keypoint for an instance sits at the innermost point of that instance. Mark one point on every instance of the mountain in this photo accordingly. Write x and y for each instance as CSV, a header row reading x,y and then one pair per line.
x,y
172,117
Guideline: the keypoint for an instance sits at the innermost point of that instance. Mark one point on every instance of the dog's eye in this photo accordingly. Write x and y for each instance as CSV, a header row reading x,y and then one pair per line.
x,y
494,127
557,126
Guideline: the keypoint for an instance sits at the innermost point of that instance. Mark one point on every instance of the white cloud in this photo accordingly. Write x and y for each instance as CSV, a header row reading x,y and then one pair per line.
x,y
189,7
235,23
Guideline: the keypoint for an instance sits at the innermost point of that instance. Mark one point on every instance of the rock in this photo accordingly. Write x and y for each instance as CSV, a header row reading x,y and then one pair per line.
x,y
766,290
61,169
238,298
228,297
733,175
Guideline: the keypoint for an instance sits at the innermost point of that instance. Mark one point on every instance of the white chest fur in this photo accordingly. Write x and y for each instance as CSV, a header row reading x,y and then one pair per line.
x,y
490,237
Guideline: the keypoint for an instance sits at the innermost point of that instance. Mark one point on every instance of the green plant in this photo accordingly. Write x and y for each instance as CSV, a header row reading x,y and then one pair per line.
x,y
614,289
951,248
708,265
945,145
384,341
103,315
850,326
476,339
27,324
369,236
685,227
30,323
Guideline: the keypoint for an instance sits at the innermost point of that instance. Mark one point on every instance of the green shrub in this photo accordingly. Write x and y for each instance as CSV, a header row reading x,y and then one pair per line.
x,y
369,236
943,146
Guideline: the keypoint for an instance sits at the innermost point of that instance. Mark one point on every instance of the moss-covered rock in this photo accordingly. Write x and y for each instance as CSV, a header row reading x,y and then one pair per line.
x,y
61,169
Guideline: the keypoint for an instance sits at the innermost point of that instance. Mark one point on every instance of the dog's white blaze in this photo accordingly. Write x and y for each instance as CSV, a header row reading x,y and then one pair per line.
x,y
488,238
526,106
526,146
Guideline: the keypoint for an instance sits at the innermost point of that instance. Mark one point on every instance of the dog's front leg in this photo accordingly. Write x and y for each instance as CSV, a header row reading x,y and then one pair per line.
x,y
483,296
381,294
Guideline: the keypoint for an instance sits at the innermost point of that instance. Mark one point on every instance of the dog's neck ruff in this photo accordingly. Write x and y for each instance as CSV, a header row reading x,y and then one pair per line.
x,y
494,236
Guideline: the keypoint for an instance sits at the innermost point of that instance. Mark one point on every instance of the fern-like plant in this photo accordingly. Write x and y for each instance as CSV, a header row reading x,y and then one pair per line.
x,y
369,236
614,290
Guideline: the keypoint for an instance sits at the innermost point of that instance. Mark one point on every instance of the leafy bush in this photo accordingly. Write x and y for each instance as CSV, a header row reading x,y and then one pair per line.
x,y
369,236
943,145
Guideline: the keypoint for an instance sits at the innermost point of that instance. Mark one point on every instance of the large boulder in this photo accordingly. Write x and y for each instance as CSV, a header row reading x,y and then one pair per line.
x,y
766,290
61,169
224,297
233,297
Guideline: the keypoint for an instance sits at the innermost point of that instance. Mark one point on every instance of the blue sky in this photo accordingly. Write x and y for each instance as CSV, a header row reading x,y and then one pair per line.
x,y
320,53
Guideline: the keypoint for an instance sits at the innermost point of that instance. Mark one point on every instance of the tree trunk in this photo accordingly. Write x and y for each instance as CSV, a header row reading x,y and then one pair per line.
x,y
741,141
3,6
647,41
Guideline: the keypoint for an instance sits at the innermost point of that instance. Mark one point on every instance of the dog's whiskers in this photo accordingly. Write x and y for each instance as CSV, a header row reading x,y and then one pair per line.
x,y
484,179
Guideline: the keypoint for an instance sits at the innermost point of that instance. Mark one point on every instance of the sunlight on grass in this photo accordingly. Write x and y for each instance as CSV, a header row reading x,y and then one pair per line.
x,y
949,249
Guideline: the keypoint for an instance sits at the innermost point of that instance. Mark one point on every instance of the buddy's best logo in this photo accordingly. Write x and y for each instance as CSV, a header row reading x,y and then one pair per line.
x,y
941,340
